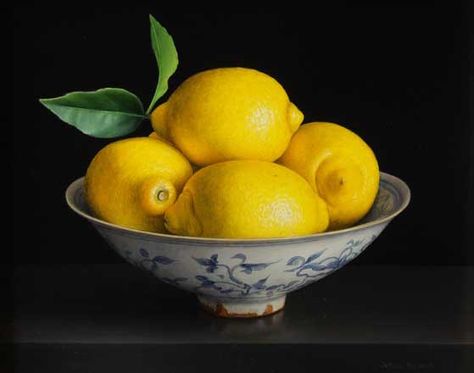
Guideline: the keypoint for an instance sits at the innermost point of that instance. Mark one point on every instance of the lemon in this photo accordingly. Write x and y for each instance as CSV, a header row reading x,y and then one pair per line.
x,y
339,165
131,182
154,135
246,199
228,114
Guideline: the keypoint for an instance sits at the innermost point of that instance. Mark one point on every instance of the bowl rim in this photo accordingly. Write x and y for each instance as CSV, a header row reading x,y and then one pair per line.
x,y
399,185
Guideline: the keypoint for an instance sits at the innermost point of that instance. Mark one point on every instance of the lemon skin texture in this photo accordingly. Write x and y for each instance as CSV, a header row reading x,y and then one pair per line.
x,y
247,199
132,182
228,114
340,167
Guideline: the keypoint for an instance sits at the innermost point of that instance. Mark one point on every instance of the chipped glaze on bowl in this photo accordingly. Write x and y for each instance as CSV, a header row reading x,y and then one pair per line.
x,y
246,277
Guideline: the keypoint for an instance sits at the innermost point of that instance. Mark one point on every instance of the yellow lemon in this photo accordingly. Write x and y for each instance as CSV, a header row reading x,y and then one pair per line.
x,y
154,135
247,199
132,182
339,165
228,114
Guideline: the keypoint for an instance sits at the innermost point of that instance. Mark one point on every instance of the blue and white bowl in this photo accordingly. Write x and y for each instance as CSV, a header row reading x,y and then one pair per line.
x,y
246,277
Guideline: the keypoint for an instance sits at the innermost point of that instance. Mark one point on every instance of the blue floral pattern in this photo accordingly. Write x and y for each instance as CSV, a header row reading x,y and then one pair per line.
x,y
311,269
153,264
229,280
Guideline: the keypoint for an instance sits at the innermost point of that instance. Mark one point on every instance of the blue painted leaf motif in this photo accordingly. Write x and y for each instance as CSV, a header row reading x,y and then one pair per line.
x,y
162,260
313,257
295,261
273,287
240,256
249,268
260,284
144,253
315,266
227,276
204,261
334,265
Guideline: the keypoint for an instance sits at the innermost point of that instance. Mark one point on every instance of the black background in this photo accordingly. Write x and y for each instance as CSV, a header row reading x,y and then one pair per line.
x,y
396,73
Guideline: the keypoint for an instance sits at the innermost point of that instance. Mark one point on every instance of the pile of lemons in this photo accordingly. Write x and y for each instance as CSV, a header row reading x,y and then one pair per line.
x,y
229,158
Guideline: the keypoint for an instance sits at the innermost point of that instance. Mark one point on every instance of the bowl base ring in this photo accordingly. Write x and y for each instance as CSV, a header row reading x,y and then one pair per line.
x,y
234,308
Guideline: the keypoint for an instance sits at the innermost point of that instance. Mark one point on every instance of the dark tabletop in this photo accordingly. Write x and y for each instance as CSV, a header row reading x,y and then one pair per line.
x,y
90,318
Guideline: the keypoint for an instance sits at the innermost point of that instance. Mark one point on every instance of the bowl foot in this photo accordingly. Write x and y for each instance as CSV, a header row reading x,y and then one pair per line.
x,y
241,309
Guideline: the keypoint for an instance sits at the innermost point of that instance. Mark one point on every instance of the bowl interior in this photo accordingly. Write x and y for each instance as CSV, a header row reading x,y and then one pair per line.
x,y
392,198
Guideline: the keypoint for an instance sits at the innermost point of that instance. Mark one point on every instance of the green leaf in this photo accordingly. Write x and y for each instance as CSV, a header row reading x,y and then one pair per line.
x,y
105,113
166,58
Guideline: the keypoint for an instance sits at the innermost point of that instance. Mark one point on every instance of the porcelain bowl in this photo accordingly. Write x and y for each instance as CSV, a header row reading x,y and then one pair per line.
x,y
246,277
